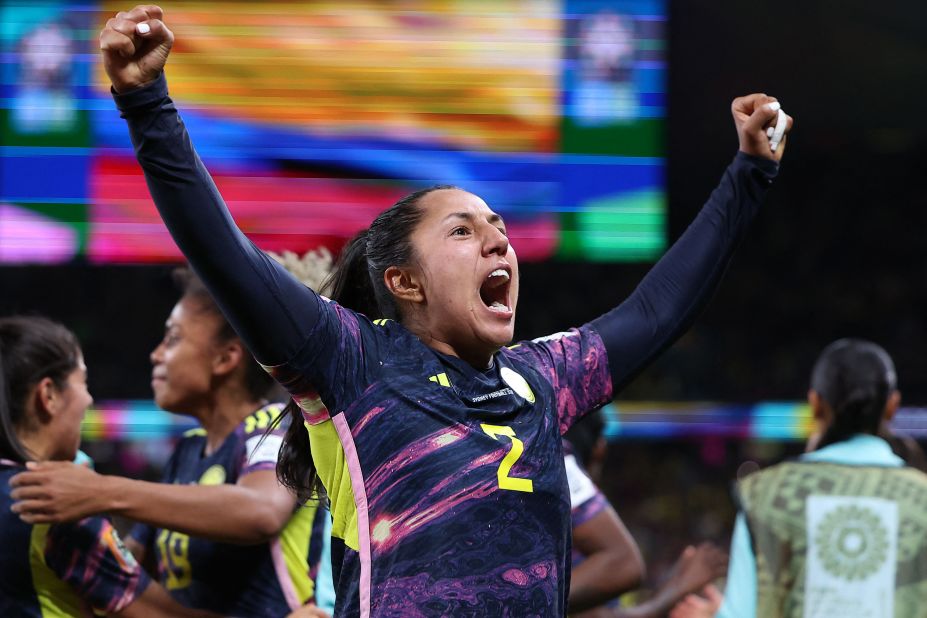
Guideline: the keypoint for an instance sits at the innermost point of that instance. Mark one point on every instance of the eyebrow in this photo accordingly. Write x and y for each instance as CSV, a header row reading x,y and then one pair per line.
x,y
493,218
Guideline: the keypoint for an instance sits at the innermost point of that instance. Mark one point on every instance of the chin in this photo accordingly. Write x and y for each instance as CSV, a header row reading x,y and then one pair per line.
x,y
499,338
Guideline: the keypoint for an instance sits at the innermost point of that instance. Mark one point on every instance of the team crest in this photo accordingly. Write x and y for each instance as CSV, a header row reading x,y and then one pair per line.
x,y
215,475
517,384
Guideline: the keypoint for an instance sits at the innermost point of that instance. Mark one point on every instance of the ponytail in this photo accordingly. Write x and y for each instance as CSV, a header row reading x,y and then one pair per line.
x,y
856,379
350,283
295,468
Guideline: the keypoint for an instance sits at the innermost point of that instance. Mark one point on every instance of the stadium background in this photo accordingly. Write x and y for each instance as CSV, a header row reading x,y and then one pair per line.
x,y
597,127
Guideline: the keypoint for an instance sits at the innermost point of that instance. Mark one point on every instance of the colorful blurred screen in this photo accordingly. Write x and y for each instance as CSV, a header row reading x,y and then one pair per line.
x,y
314,116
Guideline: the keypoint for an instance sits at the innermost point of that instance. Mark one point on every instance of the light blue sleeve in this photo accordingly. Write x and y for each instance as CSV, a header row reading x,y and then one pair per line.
x,y
740,594
324,583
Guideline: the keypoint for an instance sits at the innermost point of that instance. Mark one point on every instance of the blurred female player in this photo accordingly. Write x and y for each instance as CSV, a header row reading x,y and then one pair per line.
x,y
842,531
225,535
442,460
69,569
606,560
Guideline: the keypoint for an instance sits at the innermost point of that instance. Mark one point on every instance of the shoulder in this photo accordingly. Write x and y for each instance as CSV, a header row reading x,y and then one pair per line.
x,y
261,419
912,476
582,489
761,480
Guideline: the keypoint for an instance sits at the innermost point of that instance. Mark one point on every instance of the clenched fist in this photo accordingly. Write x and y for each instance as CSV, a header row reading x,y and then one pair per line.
x,y
135,47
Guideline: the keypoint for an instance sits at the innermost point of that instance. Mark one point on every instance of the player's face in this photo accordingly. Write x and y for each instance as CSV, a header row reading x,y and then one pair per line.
x,y
469,273
75,399
182,364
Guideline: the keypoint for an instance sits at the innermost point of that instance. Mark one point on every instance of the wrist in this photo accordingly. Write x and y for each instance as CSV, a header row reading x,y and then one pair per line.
x,y
111,495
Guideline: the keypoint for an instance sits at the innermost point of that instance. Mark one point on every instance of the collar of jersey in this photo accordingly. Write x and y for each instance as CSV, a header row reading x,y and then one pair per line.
x,y
860,450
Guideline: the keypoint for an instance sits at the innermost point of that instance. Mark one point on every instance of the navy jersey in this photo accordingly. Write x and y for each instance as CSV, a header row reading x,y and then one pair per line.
x,y
70,569
447,483
426,460
268,579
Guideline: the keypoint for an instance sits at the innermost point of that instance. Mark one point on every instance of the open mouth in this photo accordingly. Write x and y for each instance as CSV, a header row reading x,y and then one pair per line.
x,y
495,291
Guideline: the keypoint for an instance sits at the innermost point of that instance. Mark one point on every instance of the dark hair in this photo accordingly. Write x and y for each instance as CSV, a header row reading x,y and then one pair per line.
x,y
257,381
357,284
585,434
31,349
349,283
361,264
856,378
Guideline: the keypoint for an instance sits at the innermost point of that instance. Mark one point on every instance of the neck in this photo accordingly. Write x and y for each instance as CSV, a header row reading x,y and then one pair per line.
x,y
225,410
37,447
476,358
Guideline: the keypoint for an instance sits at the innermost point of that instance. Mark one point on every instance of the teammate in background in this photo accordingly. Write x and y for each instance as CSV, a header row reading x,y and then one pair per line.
x,y
842,530
441,456
607,561
68,569
224,534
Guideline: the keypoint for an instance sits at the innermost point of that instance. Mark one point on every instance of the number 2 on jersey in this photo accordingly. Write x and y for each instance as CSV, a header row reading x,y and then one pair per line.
x,y
518,447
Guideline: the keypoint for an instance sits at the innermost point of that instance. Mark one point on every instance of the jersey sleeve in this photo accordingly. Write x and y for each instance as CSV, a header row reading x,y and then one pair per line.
x,y
669,298
90,557
340,359
576,365
284,323
586,500
260,447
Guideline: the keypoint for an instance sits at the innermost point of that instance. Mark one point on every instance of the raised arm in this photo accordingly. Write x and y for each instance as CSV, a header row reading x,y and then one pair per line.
x,y
270,310
679,286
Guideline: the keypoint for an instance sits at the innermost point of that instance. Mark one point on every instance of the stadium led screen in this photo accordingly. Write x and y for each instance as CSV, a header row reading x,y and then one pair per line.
x,y
314,116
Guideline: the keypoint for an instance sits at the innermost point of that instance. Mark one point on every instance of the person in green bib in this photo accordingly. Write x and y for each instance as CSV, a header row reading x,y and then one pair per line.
x,y
842,530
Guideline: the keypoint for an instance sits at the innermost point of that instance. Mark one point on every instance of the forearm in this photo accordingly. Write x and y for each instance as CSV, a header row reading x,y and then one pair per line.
x,y
270,310
679,286
224,513
602,577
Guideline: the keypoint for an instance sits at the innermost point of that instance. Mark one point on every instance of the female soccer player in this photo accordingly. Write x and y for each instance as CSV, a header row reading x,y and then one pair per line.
x,y
442,456
842,531
70,569
226,536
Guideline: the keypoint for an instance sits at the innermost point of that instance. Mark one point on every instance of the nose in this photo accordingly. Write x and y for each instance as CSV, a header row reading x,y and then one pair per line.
x,y
157,354
496,242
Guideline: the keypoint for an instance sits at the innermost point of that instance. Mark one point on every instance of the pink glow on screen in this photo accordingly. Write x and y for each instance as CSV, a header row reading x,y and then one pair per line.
x,y
27,236
277,211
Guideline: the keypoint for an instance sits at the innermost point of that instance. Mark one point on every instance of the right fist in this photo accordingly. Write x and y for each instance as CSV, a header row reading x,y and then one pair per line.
x,y
135,47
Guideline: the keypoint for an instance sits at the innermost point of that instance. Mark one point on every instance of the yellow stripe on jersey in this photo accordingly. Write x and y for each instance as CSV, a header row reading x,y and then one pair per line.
x,y
262,418
332,467
381,322
56,598
441,379
197,431
294,540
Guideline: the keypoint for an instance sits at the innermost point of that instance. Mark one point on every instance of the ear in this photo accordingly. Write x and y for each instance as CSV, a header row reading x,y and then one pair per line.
x,y
46,398
229,357
891,406
818,407
404,284
820,414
